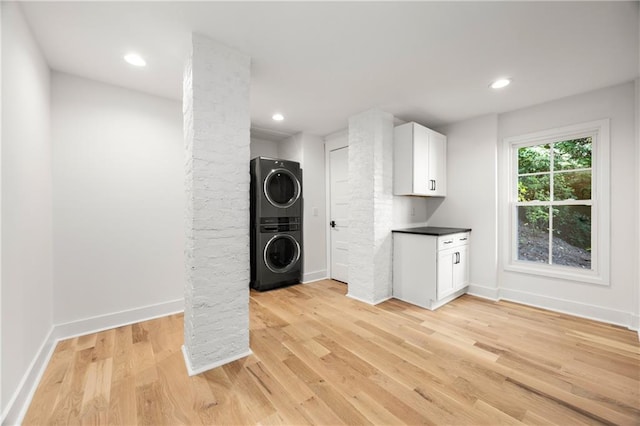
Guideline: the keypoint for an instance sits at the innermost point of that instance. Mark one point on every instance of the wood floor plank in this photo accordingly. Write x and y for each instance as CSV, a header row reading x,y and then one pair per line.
x,y
105,342
322,358
97,390
86,342
334,400
298,390
278,395
319,413
258,406
49,392
176,392
349,380
144,363
149,404
70,394
122,404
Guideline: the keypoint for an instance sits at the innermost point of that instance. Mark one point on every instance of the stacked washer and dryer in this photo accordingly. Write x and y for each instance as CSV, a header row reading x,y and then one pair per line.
x,y
276,223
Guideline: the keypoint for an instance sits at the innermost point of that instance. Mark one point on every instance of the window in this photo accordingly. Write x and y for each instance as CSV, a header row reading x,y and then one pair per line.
x,y
558,202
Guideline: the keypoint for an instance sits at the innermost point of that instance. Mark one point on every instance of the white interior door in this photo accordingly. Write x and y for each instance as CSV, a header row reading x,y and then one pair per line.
x,y
339,213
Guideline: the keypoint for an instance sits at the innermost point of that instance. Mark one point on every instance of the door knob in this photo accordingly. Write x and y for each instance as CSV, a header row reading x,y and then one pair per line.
x,y
332,223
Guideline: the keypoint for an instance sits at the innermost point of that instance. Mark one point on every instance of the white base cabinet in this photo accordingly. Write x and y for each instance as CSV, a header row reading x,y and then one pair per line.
x,y
428,270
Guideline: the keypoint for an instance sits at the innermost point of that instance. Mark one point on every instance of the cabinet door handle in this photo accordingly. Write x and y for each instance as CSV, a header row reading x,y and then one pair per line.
x,y
434,184
463,239
457,258
448,242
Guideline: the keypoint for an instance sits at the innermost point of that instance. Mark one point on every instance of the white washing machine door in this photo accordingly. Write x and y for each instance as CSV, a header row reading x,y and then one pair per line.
x,y
281,253
281,188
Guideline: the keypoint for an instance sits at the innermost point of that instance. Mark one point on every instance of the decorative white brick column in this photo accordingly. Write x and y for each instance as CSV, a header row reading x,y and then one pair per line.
x,y
371,206
216,126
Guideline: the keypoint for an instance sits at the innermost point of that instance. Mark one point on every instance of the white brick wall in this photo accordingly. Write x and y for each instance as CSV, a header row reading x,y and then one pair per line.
x,y
216,123
371,205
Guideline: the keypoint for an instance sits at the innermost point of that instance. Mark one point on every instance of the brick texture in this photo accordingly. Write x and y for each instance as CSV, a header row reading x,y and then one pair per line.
x,y
216,125
371,205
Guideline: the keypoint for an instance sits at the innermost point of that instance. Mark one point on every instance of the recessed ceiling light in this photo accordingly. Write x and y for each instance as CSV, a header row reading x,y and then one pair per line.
x,y
135,60
277,116
500,83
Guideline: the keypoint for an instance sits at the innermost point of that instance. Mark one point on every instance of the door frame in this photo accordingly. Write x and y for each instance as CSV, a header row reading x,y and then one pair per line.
x,y
337,140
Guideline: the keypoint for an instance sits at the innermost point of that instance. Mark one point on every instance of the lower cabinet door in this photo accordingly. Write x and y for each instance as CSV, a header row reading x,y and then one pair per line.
x,y
460,268
446,258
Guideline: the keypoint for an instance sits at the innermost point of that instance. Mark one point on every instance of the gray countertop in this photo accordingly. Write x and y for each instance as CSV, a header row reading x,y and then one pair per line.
x,y
431,230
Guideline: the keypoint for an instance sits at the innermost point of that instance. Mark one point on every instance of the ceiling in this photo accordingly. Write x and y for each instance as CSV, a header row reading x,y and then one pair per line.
x,y
319,63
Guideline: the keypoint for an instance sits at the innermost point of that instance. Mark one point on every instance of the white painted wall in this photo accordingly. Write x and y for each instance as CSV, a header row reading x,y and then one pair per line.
x,y
2,403
314,216
637,310
637,317
118,199
410,211
291,148
614,303
263,148
471,199
308,150
27,281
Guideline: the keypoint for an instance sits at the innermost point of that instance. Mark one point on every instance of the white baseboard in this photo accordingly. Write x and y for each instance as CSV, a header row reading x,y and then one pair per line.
x,y
314,276
569,307
447,299
491,293
635,323
193,372
117,319
384,299
369,302
19,403
583,310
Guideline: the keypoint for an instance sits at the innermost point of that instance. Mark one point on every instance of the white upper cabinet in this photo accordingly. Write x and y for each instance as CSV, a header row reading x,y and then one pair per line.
x,y
419,161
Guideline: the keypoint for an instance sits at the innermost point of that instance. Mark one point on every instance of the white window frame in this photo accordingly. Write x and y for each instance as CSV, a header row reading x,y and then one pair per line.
x,y
600,224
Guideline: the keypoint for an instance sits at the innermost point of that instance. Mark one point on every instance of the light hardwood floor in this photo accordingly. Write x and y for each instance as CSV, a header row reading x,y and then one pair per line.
x,y
322,358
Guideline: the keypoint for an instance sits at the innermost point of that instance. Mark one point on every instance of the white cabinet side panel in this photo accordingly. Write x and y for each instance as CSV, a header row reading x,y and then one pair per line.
x,y
403,159
414,268
421,160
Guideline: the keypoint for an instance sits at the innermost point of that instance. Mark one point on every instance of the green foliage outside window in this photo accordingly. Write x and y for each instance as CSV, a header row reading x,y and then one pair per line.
x,y
556,172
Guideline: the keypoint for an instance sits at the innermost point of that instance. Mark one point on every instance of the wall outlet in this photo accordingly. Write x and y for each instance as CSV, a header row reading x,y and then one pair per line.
x,y
315,211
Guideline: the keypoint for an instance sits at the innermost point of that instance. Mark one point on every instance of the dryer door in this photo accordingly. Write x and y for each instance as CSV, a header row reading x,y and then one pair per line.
x,y
281,253
281,188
